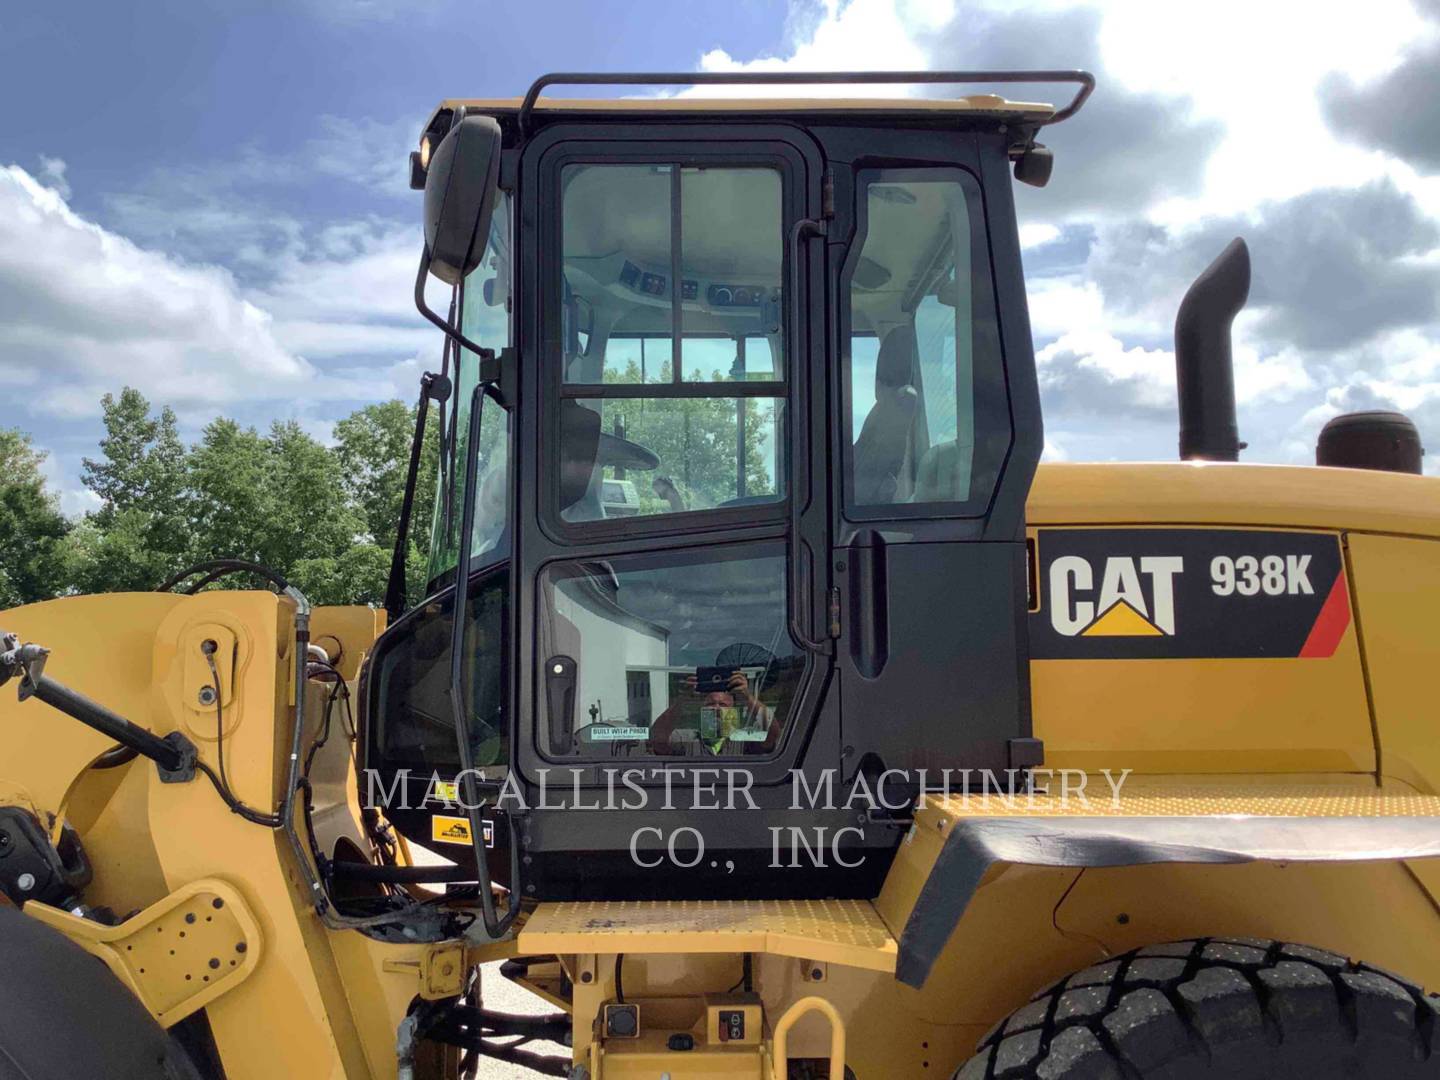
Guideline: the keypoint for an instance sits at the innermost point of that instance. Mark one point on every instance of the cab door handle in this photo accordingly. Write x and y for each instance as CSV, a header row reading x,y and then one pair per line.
x,y
869,603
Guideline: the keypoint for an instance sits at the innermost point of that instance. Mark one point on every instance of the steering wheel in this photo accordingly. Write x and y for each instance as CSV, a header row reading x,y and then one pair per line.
x,y
624,454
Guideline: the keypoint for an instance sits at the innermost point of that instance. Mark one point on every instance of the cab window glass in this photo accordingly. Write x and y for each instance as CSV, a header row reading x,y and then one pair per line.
x,y
411,715
485,317
923,348
674,655
671,295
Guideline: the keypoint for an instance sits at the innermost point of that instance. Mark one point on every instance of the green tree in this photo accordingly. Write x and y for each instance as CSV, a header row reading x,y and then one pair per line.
x,y
141,533
308,515
356,576
278,500
324,517
31,526
228,474
373,449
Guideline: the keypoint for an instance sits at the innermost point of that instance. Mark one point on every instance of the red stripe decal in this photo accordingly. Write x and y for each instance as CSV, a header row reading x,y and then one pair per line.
x,y
1330,624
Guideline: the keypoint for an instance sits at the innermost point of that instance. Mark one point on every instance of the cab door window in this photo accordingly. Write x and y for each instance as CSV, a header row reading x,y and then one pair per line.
x,y
673,353
667,654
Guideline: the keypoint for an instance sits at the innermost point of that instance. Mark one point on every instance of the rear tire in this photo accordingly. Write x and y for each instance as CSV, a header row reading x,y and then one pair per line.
x,y
1219,1007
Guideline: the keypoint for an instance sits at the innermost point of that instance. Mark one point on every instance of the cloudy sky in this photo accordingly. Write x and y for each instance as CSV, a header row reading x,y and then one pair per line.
x,y
208,200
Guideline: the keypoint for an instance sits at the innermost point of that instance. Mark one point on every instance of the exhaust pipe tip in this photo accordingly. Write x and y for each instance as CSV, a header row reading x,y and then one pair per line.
x,y
1204,365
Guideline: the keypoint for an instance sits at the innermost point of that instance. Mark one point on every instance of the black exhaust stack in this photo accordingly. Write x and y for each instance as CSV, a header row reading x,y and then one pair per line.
x,y
1204,368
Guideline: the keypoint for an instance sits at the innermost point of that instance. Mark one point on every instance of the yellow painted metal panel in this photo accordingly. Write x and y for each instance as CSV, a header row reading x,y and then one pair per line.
x,y
1280,715
846,932
1184,796
179,954
1215,493
101,646
1397,585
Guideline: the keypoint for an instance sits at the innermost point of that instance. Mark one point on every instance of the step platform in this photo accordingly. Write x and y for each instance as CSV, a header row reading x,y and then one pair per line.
x,y
845,932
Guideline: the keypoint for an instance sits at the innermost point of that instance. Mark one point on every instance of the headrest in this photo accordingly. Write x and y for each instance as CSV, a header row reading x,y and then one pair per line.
x,y
895,365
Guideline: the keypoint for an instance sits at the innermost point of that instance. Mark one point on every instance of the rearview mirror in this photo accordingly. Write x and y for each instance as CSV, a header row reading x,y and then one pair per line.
x,y
460,197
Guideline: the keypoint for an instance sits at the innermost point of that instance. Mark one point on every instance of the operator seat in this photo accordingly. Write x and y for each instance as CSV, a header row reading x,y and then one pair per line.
x,y
883,449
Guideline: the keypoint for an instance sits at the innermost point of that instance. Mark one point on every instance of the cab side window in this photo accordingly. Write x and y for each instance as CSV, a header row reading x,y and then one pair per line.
x,y
924,367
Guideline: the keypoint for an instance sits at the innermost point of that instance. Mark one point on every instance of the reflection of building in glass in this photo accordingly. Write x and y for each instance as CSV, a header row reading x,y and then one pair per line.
x,y
618,653
635,636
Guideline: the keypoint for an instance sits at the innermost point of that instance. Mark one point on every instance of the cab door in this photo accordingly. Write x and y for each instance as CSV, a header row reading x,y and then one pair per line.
x,y
937,433
673,592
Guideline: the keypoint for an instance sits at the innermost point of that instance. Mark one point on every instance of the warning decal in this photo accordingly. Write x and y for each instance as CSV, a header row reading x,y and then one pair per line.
x,y
1187,593
445,829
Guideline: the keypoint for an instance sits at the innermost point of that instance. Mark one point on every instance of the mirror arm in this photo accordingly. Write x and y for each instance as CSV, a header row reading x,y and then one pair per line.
x,y
445,496
495,925
451,332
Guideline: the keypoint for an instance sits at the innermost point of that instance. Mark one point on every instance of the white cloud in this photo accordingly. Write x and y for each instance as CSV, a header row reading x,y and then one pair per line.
x,y
91,309
74,499
1035,234
84,310
52,175
856,36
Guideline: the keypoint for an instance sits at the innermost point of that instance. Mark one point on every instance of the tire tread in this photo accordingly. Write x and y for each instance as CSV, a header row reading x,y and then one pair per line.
x,y
1221,1006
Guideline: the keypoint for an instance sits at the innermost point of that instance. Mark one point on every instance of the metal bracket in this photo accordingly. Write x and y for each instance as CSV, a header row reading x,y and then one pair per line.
x,y
440,969
177,955
184,772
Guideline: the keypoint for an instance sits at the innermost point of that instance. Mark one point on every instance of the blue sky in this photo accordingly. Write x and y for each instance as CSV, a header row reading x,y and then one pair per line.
x,y
208,201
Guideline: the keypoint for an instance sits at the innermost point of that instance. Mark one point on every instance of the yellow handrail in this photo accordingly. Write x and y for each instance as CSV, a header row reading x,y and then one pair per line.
x,y
779,1059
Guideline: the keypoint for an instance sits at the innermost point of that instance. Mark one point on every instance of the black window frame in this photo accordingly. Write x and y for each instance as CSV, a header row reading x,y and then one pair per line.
x,y
373,752
991,394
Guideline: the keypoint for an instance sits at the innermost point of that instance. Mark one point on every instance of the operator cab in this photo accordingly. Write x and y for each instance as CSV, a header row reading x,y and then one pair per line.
x,y
746,480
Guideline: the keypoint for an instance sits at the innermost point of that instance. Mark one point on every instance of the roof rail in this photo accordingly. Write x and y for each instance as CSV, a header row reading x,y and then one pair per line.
x,y
1083,79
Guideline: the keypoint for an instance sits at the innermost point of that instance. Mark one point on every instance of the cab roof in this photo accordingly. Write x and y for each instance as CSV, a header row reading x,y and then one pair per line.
x,y
992,104
520,113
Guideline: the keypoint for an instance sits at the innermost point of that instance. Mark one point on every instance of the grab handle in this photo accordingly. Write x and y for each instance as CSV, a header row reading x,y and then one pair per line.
x,y
779,1056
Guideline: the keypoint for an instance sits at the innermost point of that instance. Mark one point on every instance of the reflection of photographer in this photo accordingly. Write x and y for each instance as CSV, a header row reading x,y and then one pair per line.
x,y
726,714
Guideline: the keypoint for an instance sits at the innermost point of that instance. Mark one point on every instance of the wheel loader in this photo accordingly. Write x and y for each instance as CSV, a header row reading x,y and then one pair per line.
x,y
772,712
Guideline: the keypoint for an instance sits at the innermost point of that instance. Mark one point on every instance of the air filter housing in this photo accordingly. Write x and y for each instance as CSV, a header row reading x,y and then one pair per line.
x,y
1387,441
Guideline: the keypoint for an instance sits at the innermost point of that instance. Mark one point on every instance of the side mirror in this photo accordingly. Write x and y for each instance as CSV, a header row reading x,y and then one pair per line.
x,y
460,189
1035,166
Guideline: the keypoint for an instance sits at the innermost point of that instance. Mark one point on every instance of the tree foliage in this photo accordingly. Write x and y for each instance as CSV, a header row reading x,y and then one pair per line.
x,y
698,441
323,516
31,525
